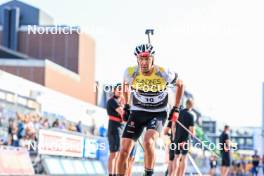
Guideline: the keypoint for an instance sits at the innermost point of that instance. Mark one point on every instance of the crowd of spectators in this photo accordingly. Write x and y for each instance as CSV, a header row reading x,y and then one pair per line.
x,y
241,165
23,129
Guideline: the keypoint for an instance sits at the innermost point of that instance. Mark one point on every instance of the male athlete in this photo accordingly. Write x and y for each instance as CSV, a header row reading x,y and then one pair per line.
x,y
117,115
225,151
147,83
181,138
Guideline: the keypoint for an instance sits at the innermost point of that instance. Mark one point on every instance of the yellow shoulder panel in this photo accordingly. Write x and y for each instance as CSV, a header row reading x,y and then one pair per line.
x,y
131,70
161,69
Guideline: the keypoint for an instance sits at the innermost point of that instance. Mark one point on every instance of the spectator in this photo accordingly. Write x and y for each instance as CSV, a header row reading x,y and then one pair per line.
x,y
45,123
239,168
29,122
248,166
79,127
213,164
63,126
2,142
40,119
25,141
12,133
233,170
36,122
243,163
56,124
21,126
102,131
71,127
255,163
93,127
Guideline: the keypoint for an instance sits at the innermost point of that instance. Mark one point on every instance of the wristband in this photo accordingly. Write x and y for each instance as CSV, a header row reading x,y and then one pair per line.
x,y
176,109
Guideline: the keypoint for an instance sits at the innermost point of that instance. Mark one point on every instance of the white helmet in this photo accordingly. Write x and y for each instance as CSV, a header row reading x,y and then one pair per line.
x,y
144,50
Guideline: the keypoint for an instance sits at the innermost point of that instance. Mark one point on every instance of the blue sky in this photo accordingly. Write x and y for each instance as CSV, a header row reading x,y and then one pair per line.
x,y
215,46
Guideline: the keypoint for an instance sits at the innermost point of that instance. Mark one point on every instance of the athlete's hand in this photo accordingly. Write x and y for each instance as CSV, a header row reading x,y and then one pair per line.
x,y
126,112
175,114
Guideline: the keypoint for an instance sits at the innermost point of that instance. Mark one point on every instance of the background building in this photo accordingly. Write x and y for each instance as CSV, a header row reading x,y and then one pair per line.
x,y
44,57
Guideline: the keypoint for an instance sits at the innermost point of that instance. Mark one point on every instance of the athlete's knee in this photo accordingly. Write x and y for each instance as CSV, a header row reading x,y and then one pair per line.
x,y
177,159
184,158
149,143
131,159
113,154
124,154
149,147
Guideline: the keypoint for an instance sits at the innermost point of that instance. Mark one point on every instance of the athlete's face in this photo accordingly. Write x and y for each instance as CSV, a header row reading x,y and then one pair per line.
x,y
145,63
227,129
189,104
117,92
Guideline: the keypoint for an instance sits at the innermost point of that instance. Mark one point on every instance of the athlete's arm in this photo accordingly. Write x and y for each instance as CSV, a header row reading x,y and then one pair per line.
x,y
191,125
125,87
125,92
230,143
191,128
227,145
178,97
173,130
166,130
120,111
179,92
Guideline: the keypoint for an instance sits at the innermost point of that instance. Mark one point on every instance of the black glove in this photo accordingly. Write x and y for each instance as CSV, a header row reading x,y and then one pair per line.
x,y
127,112
174,109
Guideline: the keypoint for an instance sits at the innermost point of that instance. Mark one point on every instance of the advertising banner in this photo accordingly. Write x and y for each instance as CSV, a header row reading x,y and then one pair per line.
x,y
60,143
